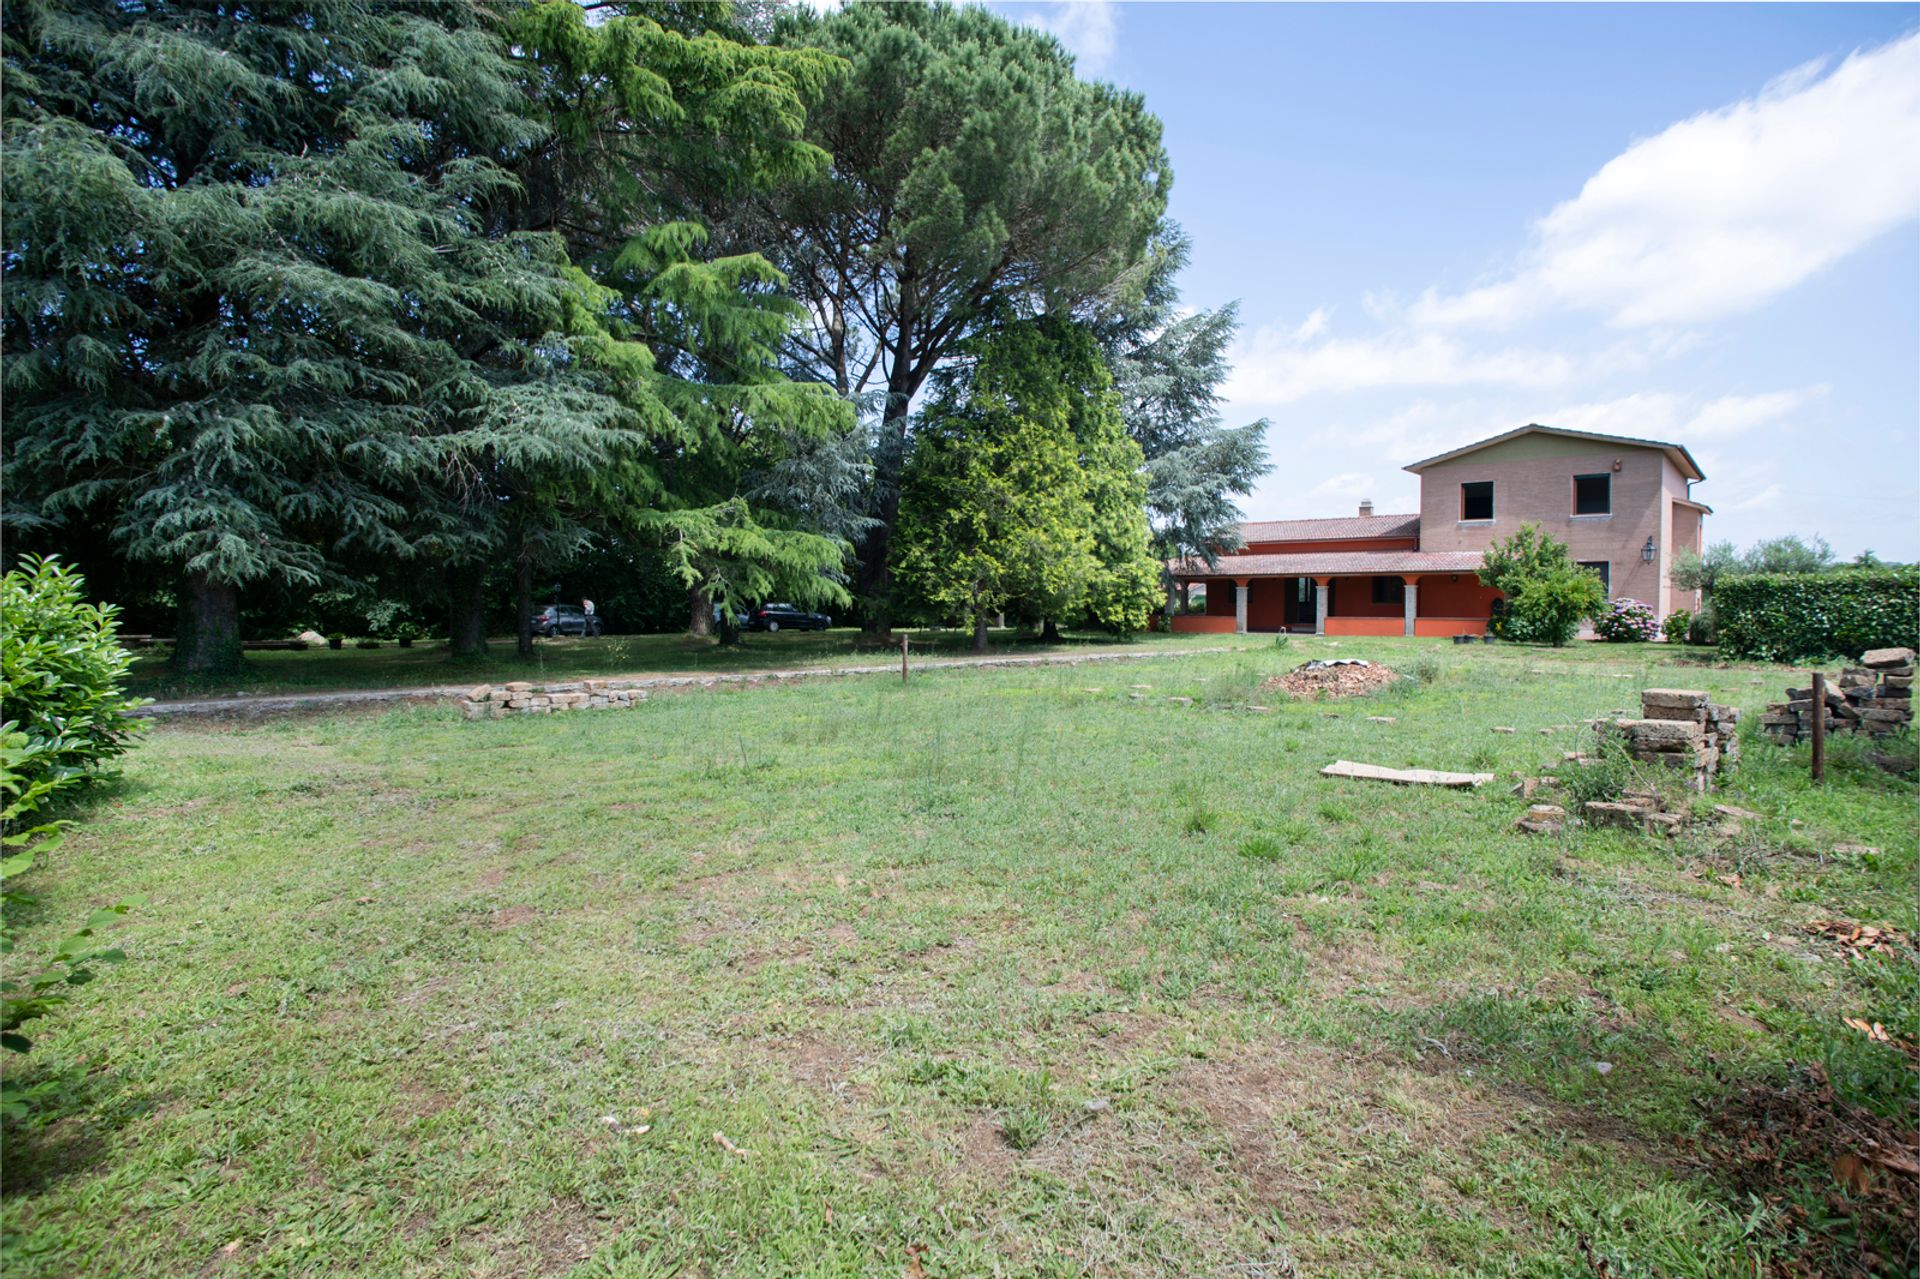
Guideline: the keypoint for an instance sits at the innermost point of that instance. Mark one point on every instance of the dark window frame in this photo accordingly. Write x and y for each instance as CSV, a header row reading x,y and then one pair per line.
x,y
1466,517
1606,478
1604,568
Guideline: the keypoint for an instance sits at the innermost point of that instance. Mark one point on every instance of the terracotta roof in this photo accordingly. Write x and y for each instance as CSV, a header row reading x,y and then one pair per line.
x,y
1331,563
1677,454
1331,529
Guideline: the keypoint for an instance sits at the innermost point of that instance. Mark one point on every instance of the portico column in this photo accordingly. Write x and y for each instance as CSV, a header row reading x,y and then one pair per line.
x,y
1239,606
1322,588
1413,601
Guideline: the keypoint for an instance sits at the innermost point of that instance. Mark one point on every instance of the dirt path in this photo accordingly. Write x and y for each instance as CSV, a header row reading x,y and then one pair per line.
x,y
254,706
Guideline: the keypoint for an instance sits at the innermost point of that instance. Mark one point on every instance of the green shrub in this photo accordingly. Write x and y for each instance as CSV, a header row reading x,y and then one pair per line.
x,y
1784,617
61,666
1678,626
1547,594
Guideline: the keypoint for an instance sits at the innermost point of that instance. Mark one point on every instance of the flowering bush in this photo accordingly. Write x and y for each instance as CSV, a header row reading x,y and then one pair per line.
x,y
1678,626
1627,622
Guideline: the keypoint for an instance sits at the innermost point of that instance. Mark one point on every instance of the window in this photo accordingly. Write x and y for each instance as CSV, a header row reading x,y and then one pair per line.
x,y
1604,570
1593,494
1476,501
1389,590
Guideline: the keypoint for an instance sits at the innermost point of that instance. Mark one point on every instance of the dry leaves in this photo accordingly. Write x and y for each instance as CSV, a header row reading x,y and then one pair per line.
x,y
1859,939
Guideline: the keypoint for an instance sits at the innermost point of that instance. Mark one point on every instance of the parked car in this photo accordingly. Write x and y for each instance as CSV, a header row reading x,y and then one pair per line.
x,y
772,617
566,619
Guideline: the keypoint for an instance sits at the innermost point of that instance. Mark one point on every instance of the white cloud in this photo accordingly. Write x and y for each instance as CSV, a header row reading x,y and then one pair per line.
x,y
1314,325
1280,365
1686,418
1724,211
1346,484
1089,29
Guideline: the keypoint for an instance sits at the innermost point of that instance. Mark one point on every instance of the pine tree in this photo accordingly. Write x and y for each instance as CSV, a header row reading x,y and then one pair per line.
x,y
251,289
662,117
1168,370
974,177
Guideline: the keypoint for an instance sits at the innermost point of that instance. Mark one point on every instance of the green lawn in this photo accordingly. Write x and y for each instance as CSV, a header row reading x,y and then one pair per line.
x,y
570,657
1000,972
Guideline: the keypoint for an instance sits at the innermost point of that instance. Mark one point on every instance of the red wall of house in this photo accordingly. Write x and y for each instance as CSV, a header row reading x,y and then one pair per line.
x,y
1220,601
1353,597
1338,544
1442,596
1267,603
1201,624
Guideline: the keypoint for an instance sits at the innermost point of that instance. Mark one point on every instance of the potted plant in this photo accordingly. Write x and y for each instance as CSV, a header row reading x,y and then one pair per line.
x,y
336,641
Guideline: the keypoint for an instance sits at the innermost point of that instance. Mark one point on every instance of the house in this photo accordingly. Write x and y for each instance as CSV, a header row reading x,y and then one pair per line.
x,y
1623,506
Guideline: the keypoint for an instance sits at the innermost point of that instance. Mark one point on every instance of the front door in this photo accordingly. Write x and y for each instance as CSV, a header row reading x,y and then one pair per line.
x,y
1301,605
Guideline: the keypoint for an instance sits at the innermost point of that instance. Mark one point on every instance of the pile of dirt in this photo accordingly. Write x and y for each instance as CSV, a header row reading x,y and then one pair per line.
x,y
1342,677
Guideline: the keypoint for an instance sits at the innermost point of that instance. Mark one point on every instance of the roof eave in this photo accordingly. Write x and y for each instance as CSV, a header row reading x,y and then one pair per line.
x,y
1676,453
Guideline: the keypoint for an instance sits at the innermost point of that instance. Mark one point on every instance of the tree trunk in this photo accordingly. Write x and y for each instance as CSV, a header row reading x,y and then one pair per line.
x,y
876,571
699,613
1050,631
980,630
466,610
523,603
207,634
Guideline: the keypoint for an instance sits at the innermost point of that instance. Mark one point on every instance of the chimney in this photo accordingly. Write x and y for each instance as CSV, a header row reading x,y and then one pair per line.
x,y
1366,507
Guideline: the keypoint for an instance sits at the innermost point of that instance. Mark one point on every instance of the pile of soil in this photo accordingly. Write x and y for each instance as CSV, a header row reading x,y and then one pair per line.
x,y
1342,677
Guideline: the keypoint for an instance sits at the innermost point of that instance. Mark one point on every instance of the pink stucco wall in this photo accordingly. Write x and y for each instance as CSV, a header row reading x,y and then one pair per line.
x,y
1533,483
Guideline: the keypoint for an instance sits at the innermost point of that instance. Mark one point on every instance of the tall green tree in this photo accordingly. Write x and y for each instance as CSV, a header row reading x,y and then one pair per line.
x,y
255,292
661,120
1168,369
974,177
1024,489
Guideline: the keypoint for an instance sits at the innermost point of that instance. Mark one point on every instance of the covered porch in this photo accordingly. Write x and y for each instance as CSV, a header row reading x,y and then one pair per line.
x,y
1400,599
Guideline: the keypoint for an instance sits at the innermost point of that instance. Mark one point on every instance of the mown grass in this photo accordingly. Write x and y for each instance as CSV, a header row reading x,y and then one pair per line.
x,y
427,663
997,972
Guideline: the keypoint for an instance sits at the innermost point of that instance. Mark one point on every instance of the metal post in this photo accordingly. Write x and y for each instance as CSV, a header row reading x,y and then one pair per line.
x,y
1819,726
903,659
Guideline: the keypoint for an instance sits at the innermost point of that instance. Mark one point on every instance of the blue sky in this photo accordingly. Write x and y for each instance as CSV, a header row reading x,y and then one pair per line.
x,y
1694,223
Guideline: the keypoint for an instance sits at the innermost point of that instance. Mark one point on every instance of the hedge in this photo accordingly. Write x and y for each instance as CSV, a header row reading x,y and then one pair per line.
x,y
1784,617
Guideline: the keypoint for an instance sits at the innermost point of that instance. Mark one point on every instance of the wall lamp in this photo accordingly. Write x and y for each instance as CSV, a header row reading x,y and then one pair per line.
x,y
1646,552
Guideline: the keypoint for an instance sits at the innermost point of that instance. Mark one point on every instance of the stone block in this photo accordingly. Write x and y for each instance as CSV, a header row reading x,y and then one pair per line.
x,y
1665,823
1684,699
480,693
472,708
1881,658
519,686
1661,734
1600,813
1542,819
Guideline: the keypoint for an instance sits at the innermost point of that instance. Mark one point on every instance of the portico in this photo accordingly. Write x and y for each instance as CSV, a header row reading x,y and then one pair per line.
x,y
1341,593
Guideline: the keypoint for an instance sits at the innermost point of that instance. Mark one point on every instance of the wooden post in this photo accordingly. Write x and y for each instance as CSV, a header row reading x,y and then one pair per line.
x,y
903,659
1819,726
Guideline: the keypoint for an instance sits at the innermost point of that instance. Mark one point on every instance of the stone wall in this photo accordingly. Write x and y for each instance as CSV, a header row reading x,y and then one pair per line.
x,y
1681,729
520,698
1875,697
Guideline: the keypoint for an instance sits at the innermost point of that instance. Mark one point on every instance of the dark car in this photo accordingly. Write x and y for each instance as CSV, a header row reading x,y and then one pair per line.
x,y
773,617
566,619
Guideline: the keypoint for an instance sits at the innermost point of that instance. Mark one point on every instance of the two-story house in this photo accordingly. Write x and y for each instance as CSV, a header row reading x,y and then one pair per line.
x,y
1624,507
